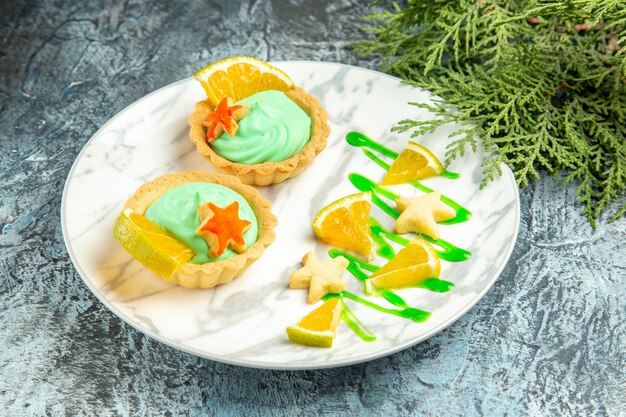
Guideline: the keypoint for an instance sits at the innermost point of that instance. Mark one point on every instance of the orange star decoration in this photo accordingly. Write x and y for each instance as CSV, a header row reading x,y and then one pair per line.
x,y
224,118
221,228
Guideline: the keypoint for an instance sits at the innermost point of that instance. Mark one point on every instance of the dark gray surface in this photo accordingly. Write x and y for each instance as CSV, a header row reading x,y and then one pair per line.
x,y
548,339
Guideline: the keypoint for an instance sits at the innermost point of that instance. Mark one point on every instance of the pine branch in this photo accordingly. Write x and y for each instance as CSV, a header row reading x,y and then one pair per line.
x,y
541,85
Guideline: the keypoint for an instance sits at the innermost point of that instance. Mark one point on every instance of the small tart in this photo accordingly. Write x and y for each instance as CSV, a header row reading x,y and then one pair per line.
x,y
266,173
210,274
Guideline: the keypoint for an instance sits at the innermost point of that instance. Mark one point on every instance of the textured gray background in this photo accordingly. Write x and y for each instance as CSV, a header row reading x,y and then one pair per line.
x,y
548,339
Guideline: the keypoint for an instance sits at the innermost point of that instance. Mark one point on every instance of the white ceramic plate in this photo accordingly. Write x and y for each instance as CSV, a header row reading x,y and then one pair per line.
x,y
244,322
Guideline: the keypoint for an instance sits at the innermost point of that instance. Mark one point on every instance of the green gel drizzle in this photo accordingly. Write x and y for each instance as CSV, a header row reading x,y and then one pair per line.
x,y
359,263
384,249
355,267
450,175
414,314
449,253
394,298
379,230
355,324
361,141
436,285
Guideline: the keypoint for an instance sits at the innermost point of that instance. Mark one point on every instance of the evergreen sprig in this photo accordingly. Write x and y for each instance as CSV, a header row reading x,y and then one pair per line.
x,y
540,84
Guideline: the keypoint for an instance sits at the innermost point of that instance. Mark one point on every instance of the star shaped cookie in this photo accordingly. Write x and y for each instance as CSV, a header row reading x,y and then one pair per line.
x,y
422,214
224,118
222,228
319,277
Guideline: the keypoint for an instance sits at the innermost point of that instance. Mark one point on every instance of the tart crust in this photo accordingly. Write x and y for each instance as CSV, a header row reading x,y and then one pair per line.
x,y
211,274
266,173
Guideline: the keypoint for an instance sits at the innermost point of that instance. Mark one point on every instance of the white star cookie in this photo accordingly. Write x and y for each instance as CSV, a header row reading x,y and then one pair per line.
x,y
319,277
422,214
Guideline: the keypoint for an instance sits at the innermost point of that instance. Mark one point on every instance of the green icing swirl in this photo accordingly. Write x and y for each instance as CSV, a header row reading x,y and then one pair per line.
x,y
176,211
274,129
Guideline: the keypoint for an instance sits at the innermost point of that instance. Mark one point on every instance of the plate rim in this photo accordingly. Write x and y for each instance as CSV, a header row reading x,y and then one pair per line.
x,y
292,366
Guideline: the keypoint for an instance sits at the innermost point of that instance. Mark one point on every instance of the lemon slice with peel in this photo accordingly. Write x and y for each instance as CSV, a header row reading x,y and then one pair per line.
x,y
345,223
415,162
240,77
318,327
150,244
412,265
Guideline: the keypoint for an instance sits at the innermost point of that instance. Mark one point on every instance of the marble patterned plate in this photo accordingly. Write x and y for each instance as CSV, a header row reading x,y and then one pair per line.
x,y
244,322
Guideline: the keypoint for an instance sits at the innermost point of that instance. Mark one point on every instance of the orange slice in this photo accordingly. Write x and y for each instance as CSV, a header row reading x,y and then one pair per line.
x,y
240,77
150,244
318,327
413,264
345,223
415,162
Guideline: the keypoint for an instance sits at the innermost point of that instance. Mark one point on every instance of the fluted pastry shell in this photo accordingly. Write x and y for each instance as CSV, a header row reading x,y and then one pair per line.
x,y
266,173
211,274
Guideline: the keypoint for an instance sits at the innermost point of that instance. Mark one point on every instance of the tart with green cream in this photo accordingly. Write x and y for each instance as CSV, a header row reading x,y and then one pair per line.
x,y
255,123
196,229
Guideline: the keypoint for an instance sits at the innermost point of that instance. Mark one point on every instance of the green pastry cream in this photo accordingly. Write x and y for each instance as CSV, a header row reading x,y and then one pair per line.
x,y
177,212
274,129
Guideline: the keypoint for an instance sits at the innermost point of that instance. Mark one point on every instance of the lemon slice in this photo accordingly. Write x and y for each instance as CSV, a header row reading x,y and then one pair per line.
x,y
318,327
345,223
240,77
412,265
150,244
415,162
